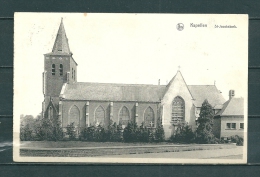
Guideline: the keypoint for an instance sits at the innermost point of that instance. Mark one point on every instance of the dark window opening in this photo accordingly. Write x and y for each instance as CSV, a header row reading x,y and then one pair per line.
x,y
241,126
53,69
61,69
231,126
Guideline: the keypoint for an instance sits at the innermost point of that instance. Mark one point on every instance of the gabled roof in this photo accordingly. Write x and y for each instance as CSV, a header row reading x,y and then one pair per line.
x,y
138,92
61,45
209,92
232,107
113,92
177,76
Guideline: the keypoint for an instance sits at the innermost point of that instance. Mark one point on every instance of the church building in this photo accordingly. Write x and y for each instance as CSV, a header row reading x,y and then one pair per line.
x,y
86,103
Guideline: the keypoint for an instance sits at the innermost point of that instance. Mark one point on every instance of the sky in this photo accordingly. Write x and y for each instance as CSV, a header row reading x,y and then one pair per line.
x,y
132,48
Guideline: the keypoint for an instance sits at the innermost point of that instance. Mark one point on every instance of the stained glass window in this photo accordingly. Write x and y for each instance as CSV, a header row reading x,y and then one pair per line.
x,y
124,116
74,115
149,117
100,115
178,110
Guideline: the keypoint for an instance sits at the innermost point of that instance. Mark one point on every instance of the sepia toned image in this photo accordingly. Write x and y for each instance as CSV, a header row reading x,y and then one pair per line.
x,y
130,88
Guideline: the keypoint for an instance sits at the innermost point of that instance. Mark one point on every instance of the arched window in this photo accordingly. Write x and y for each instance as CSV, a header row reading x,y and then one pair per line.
x,y
178,110
74,116
50,116
100,115
72,73
53,69
61,69
124,116
149,120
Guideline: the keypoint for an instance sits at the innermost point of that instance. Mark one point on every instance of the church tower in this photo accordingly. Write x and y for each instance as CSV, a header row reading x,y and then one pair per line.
x,y
59,68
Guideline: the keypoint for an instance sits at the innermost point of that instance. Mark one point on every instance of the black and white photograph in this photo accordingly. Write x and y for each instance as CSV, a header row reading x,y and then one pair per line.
x,y
130,88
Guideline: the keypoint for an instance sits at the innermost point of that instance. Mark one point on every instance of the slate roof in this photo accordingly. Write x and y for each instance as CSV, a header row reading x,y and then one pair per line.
x,y
209,92
134,92
61,45
232,107
113,92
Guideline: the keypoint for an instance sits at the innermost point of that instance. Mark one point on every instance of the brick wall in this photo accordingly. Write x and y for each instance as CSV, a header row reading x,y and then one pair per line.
x,y
117,106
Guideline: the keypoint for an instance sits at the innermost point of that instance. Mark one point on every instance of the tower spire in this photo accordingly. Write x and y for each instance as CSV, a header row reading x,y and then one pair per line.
x,y
61,44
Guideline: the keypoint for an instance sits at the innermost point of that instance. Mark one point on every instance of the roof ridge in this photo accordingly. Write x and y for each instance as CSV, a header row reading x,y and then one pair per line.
x,y
118,84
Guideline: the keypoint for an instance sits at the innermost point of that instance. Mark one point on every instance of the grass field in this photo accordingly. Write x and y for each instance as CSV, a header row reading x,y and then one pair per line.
x,y
91,149
71,144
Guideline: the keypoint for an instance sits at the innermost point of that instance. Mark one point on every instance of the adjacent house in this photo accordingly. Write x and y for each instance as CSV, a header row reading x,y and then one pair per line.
x,y
230,120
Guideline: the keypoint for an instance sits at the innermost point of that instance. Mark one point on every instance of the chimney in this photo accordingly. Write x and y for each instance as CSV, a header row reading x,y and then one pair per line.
x,y
231,93
159,82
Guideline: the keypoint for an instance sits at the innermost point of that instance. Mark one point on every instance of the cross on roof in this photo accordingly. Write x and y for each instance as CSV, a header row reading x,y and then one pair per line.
x,y
179,67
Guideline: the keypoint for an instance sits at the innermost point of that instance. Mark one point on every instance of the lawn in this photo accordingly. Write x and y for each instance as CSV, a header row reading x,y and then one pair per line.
x,y
92,149
71,144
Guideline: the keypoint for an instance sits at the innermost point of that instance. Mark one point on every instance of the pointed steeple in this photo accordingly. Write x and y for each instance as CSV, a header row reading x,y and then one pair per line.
x,y
61,44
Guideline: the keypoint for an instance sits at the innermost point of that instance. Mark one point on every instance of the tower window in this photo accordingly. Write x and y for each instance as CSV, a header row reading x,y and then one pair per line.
x,y
53,69
61,69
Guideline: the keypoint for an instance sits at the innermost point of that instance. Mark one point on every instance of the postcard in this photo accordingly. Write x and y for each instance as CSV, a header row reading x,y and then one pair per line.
x,y
130,88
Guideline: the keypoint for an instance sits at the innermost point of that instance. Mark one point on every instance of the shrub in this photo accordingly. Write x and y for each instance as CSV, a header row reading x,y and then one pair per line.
x,y
142,134
204,132
71,131
184,134
238,140
159,132
130,132
26,133
94,133
114,132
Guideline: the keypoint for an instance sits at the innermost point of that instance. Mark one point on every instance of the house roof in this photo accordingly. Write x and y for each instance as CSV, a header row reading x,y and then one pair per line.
x,y
113,92
232,107
209,92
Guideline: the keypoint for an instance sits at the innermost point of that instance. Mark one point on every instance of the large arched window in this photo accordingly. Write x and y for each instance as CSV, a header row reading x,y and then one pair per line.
x,y
53,69
178,110
61,69
74,116
100,115
124,116
149,120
